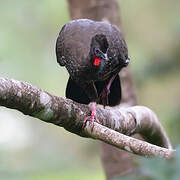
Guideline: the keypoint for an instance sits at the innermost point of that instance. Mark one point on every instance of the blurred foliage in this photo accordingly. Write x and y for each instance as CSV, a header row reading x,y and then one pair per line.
x,y
28,34
157,168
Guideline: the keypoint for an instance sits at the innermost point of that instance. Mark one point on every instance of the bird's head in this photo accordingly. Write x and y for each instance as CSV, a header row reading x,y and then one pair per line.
x,y
98,51
106,60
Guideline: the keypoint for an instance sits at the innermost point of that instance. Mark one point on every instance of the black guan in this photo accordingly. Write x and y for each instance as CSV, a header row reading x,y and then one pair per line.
x,y
93,52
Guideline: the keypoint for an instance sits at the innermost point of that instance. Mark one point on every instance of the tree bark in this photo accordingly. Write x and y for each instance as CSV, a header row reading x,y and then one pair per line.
x,y
115,162
70,115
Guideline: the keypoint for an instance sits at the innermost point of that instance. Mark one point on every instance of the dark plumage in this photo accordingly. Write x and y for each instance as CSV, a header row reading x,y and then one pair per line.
x,y
76,93
93,53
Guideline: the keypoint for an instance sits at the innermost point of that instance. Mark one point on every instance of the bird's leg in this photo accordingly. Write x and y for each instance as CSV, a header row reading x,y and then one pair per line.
x,y
92,117
91,91
104,94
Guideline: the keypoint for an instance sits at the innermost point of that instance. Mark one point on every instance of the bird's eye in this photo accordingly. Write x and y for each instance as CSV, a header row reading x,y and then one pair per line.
x,y
97,52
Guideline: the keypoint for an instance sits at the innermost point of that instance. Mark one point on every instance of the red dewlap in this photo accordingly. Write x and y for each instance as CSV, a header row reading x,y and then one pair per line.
x,y
96,61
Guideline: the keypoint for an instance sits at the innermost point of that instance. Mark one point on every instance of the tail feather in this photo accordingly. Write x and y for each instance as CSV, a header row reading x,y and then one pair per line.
x,y
76,93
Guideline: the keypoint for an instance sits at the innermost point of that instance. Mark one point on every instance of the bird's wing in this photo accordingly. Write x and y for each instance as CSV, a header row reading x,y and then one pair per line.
x,y
60,48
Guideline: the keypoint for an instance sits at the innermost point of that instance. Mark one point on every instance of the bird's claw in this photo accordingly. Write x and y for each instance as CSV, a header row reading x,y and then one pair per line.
x,y
92,119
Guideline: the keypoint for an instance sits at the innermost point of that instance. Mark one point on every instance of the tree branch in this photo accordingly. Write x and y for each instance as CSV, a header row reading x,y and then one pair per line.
x,y
63,112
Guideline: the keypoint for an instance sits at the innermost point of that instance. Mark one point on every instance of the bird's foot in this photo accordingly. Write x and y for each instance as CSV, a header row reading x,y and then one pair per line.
x,y
92,118
104,96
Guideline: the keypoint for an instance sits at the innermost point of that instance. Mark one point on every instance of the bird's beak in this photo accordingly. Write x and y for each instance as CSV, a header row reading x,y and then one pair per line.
x,y
105,56
126,62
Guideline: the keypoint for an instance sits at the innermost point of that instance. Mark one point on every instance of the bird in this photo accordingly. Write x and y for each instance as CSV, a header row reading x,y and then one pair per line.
x,y
93,53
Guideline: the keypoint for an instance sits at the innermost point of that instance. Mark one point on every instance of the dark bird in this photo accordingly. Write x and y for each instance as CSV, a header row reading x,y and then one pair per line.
x,y
93,53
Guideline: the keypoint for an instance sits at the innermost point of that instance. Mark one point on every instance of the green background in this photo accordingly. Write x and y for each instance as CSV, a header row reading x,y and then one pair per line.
x,y
31,149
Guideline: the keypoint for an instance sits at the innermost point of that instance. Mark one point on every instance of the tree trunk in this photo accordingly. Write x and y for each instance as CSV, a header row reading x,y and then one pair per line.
x,y
116,162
